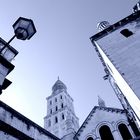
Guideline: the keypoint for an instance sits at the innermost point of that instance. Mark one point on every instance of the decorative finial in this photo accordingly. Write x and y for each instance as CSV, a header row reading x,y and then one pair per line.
x,y
102,25
136,8
58,77
101,102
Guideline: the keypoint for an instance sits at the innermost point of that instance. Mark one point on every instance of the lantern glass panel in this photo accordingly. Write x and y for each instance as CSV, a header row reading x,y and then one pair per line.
x,y
24,24
2,77
3,70
8,54
30,30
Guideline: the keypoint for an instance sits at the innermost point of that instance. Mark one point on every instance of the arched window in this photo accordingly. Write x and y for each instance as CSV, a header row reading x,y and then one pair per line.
x,y
49,123
50,102
124,132
63,117
61,97
89,138
56,108
105,133
62,105
55,99
50,111
56,120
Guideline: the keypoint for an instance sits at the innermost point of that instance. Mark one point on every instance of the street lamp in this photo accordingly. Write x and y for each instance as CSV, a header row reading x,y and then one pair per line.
x,y
23,29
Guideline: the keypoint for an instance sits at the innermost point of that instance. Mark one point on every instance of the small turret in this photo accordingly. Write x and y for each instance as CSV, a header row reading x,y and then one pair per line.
x,y
101,102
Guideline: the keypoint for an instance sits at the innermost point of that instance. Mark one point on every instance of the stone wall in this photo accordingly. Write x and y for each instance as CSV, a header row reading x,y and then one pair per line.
x,y
16,126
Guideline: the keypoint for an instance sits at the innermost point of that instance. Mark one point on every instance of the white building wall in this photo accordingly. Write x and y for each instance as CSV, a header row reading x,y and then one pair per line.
x,y
124,53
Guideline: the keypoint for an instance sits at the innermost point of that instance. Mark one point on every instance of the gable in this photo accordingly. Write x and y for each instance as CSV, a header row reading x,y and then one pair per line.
x,y
100,116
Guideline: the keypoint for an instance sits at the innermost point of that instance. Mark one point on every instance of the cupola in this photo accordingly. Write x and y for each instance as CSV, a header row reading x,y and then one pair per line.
x,y
58,87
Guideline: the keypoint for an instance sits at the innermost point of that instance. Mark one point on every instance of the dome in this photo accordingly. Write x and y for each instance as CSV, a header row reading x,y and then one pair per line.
x,y
58,86
102,25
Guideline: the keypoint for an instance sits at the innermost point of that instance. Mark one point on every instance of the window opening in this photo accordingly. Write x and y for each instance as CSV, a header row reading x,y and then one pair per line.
x,y
63,117
124,132
90,138
50,111
49,123
62,106
105,133
50,102
56,108
55,99
126,32
56,120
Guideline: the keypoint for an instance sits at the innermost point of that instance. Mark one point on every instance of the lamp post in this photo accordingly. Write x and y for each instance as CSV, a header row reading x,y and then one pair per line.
x,y
24,29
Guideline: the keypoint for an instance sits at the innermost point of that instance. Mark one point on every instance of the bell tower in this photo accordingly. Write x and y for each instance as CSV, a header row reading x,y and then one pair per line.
x,y
60,119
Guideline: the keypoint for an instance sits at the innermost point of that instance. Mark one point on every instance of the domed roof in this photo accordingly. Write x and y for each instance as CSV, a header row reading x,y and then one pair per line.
x,y
58,86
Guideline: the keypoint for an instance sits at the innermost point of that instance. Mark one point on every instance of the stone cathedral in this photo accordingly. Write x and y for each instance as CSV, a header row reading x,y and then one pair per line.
x,y
102,123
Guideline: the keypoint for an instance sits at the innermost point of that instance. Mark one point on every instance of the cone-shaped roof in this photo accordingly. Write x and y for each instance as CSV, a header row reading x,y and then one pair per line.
x,y
101,102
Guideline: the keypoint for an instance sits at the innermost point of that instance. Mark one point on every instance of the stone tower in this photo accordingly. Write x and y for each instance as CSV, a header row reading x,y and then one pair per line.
x,y
118,48
60,119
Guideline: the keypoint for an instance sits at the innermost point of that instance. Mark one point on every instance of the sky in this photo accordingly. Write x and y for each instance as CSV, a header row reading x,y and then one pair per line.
x,y
61,47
